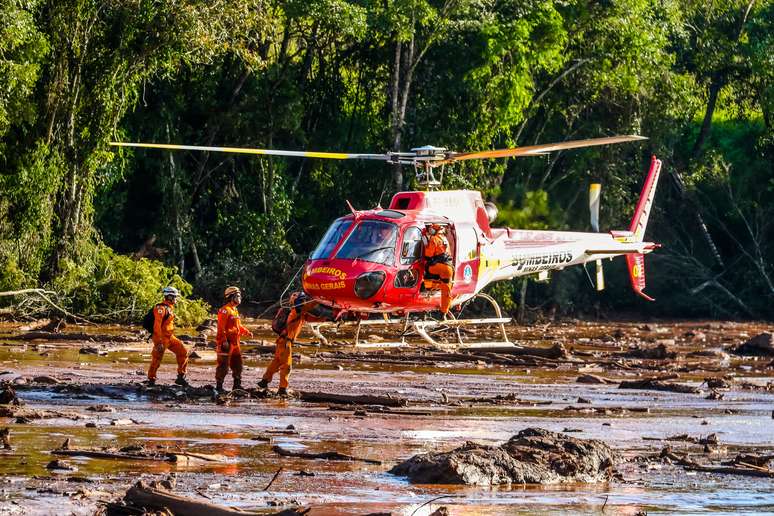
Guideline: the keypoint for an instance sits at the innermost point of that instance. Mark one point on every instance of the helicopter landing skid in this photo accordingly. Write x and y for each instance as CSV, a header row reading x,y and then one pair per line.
x,y
426,329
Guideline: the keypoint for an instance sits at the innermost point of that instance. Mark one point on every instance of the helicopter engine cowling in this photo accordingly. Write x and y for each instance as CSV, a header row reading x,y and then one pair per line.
x,y
491,211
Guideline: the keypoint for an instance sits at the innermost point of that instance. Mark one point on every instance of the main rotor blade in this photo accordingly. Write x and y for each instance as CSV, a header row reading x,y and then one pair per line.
x,y
534,150
246,150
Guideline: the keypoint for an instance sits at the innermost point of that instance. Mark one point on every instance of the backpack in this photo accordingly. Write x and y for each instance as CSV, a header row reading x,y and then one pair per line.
x,y
280,321
150,319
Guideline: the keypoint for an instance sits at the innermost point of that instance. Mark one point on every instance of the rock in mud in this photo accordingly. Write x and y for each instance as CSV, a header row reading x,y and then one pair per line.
x,y
760,345
533,456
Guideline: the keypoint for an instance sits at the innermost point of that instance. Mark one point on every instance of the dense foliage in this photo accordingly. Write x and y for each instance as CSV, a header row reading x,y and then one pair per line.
x,y
368,76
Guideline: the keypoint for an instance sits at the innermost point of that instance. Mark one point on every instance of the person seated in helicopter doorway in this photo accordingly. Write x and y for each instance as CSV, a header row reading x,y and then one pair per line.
x,y
439,271
230,330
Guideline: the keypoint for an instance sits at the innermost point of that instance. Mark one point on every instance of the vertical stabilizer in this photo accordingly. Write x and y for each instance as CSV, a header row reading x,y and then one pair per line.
x,y
636,262
642,213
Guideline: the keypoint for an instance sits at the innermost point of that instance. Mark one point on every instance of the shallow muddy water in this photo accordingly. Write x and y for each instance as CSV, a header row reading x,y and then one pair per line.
x,y
742,420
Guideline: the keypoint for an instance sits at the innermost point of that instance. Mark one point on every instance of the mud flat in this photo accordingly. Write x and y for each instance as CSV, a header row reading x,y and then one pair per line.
x,y
686,414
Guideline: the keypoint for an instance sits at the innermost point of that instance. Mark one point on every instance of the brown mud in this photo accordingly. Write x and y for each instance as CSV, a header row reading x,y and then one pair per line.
x,y
357,413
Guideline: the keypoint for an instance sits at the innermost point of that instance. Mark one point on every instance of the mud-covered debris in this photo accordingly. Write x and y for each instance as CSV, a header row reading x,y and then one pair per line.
x,y
583,400
331,455
46,380
60,465
351,399
760,345
718,383
8,395
715,395
533,456
657,384
660,352
101,408
88,350
593,379
208,327
142,498
28,413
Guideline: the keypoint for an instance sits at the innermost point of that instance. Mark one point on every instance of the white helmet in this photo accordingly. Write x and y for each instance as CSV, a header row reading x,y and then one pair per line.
x,y
170,291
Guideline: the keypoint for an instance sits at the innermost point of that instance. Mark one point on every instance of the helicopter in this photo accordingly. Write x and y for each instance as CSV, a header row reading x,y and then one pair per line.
x,y
371,261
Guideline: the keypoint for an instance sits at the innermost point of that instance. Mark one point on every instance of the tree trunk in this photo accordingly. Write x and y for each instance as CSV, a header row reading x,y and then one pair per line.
x,y
706,125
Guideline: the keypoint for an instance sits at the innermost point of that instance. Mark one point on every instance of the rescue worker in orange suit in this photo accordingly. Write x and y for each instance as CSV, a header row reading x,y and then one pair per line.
x,y
301,309
230,330
164,338
438,265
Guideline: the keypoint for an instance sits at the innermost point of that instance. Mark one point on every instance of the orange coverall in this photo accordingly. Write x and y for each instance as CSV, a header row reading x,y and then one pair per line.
x,y
283,352
436,247
164,338
230,330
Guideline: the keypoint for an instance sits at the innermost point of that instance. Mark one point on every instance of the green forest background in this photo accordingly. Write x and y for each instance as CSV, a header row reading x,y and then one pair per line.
x,y
102,231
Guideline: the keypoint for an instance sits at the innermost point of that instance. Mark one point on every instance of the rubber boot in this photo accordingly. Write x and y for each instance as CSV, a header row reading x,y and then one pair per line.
x,y
237,383
220,389
150,382
181,381
263,384
282,392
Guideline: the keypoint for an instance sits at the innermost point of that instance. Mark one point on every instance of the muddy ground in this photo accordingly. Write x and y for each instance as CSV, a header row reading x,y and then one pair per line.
x,y
89,379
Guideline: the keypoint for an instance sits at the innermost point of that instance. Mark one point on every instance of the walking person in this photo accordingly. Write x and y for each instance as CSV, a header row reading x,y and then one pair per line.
x,y
164,338
227,346
301,309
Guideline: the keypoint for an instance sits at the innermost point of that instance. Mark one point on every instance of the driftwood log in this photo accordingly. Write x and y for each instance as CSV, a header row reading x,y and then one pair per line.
x,y
154,498
324,455
138,454
350,399
748,470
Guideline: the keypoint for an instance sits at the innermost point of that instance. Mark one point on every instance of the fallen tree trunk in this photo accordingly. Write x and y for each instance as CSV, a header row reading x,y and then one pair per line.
x,y
154,498
324,455
349,399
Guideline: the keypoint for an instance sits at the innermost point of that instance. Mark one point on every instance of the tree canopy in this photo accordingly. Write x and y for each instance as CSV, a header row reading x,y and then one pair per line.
x,y
371,76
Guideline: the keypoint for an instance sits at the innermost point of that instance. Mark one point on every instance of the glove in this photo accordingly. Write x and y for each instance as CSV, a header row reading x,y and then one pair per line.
x,y
225,347
158,348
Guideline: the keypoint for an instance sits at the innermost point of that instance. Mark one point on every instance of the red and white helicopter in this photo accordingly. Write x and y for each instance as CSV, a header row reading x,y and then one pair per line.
x,y
371,261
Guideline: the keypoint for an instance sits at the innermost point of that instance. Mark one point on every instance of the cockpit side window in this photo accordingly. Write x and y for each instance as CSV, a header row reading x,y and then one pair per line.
x,y
328,243
411,250
371,241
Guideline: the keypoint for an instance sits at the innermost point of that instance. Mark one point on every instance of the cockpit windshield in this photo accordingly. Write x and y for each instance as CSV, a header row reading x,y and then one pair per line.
x,y
328,243
371,241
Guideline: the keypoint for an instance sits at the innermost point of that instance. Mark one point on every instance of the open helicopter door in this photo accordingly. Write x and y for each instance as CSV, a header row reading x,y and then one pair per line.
x,y
465,251
466,259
